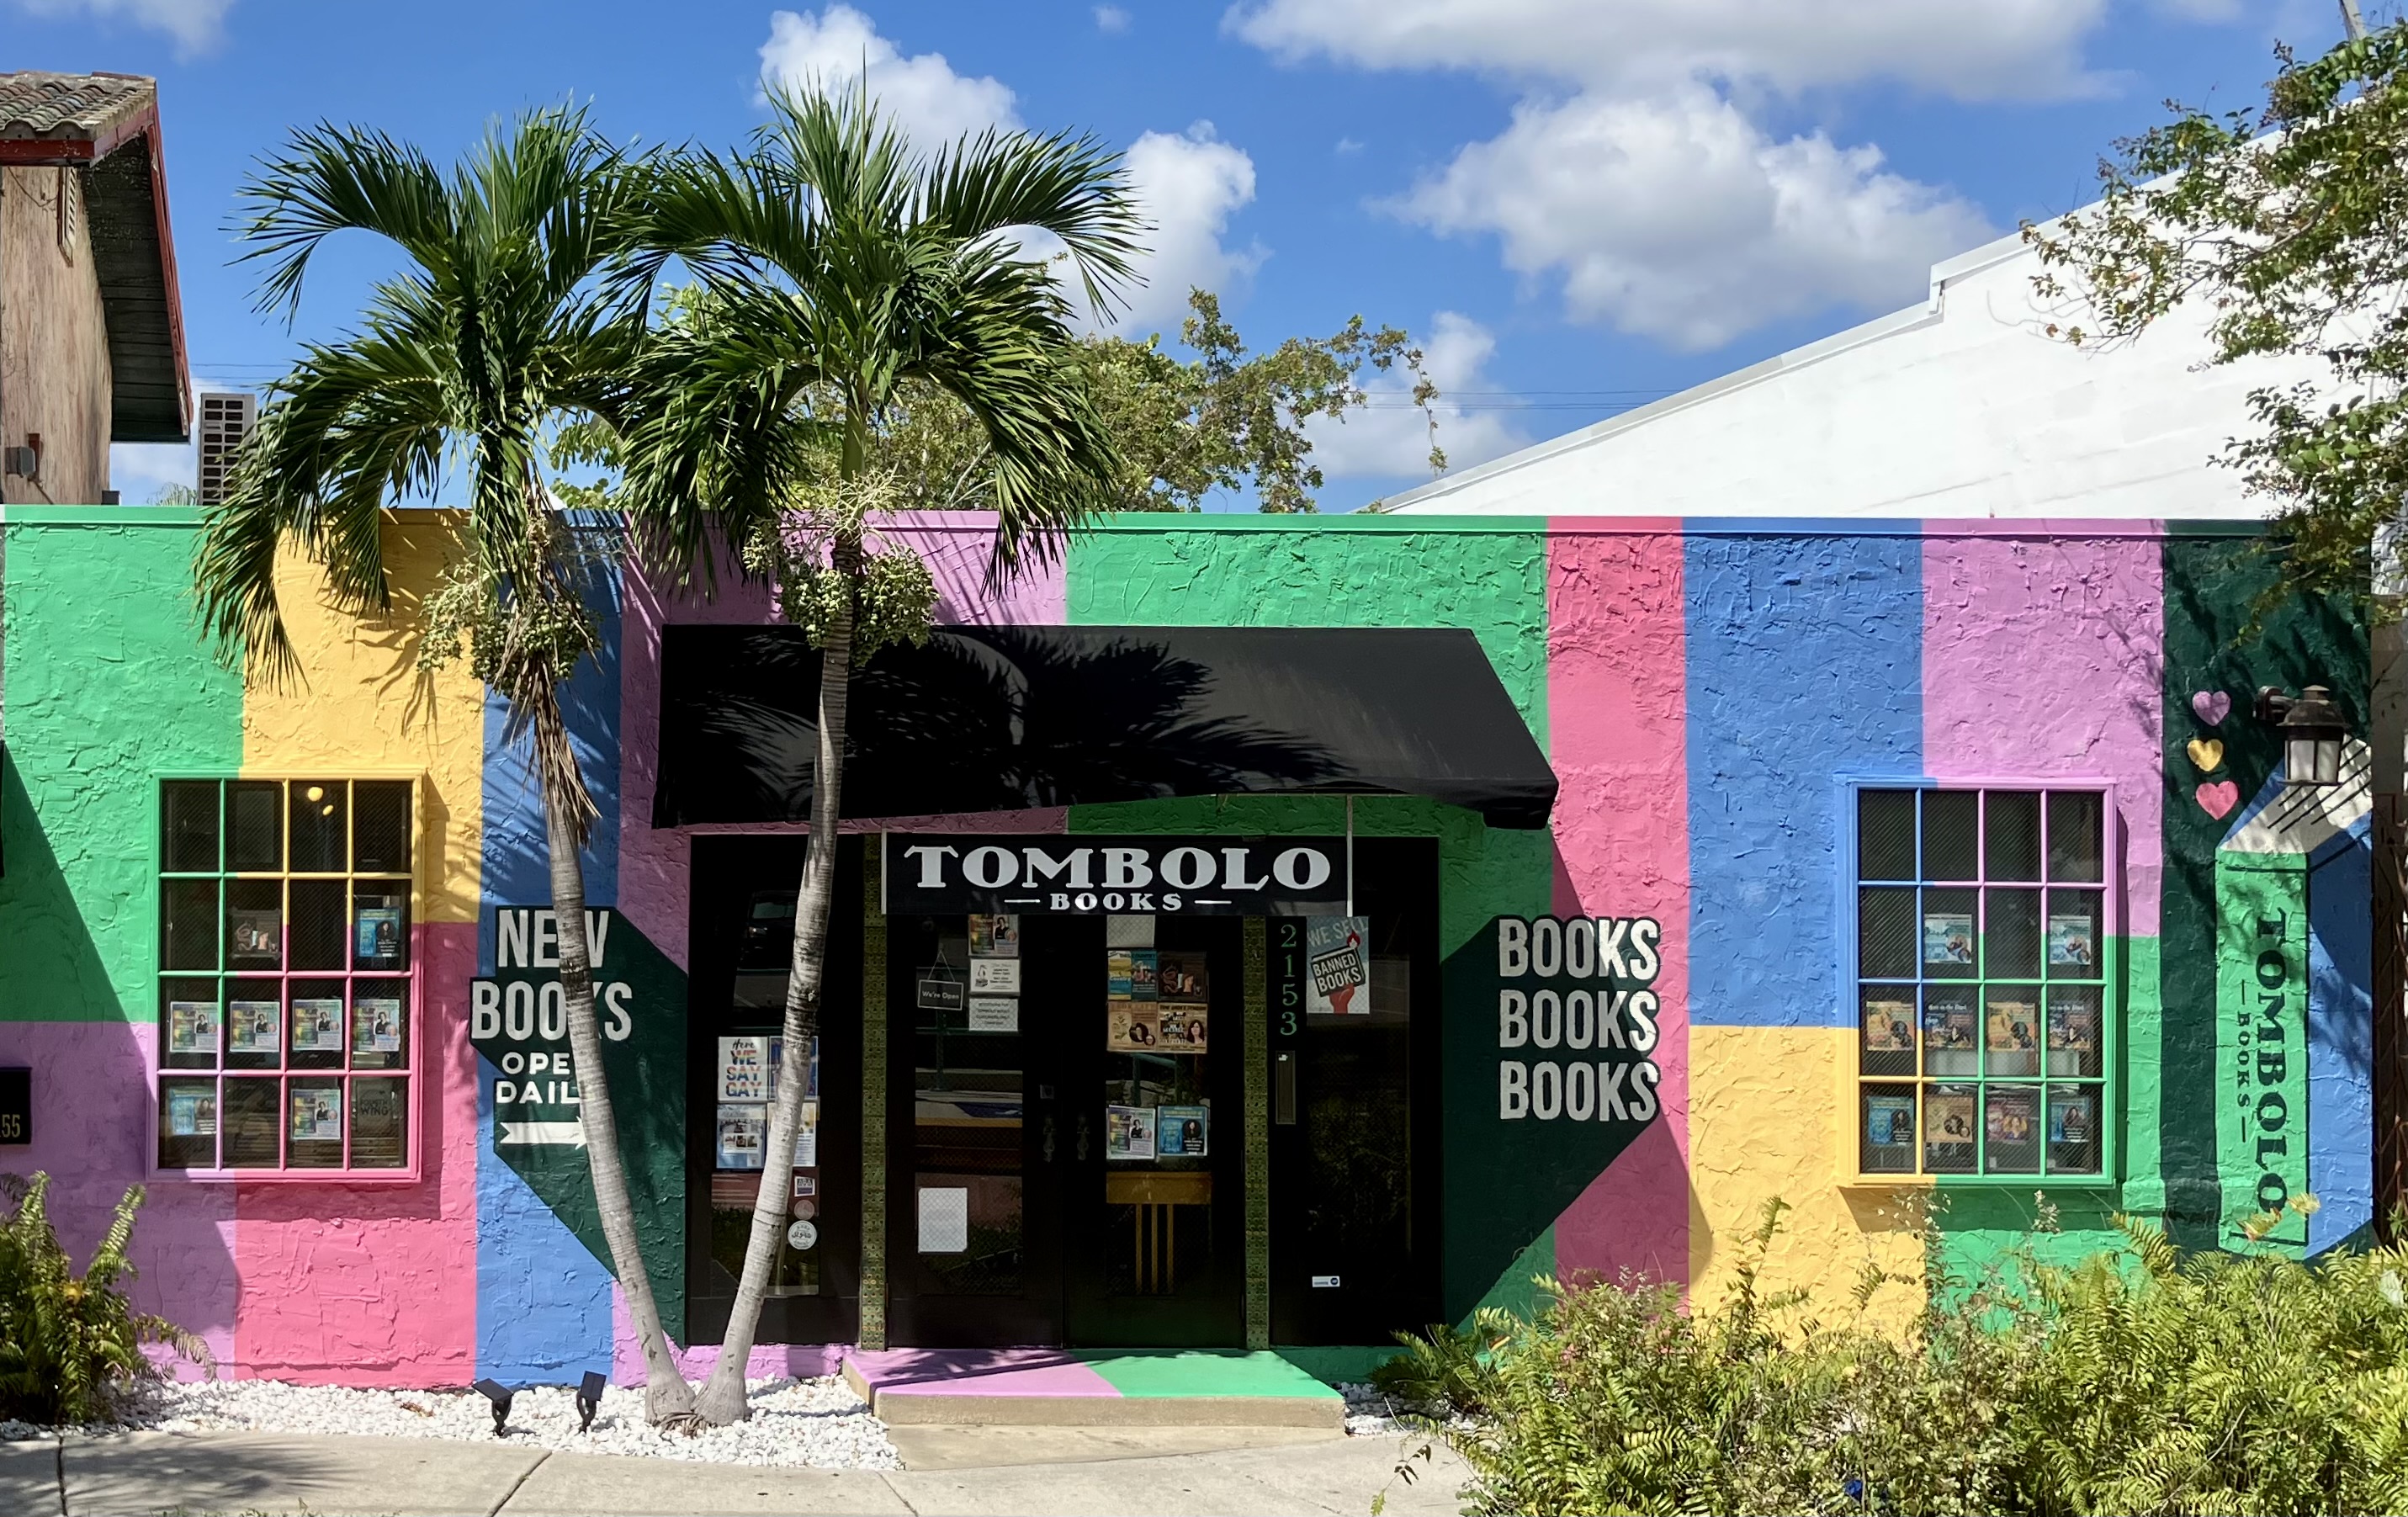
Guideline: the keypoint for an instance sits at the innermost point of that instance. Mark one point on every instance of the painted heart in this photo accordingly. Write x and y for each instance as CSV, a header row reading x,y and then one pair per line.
x,y
2213,706
2207,752
2218,799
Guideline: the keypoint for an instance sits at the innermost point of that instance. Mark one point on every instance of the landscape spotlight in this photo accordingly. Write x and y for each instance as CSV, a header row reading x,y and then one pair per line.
x,y
589,1399
499,1394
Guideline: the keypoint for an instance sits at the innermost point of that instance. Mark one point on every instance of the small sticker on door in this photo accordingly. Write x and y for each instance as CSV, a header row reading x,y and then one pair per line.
x,y
1325,1282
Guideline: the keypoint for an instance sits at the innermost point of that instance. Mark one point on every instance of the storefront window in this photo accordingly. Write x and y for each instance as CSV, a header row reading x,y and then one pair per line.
x,y
1984,1024
287,990
751,1052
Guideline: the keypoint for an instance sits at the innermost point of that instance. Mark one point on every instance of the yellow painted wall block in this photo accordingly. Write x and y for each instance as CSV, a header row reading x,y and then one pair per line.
x,y
361,707
1762,1124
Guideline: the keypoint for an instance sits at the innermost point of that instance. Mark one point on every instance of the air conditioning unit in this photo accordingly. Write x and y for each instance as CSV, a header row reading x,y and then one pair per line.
x,y
226,418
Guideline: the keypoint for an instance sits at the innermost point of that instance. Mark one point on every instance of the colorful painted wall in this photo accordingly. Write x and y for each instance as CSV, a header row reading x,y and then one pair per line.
x,y
1702,688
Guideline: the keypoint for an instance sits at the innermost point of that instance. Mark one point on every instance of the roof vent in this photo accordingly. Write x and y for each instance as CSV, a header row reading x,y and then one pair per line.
x,y
226,418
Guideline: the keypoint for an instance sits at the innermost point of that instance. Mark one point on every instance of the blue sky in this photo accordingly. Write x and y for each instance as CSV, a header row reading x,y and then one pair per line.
x,y
1576,205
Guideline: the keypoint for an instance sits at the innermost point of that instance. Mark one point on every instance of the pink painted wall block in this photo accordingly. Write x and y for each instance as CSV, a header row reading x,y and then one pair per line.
x,y
2045,658
1617,717
366,1285
91,1096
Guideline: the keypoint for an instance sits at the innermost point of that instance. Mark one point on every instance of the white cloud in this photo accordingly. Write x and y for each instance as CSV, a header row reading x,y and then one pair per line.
x,y
1389,438
1187,186
195,25
1992,49
1679,218
1112,19
926,97
138,471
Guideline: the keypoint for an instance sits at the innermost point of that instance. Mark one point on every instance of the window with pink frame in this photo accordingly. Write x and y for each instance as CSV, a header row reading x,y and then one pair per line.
x,y
1983,1016
286,991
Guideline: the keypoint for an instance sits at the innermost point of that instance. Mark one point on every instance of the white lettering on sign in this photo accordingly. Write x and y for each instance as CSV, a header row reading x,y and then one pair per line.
x,y
1595,995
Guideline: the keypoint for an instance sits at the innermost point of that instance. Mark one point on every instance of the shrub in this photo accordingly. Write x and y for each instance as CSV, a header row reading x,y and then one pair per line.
x,y
2135,1381
70,1344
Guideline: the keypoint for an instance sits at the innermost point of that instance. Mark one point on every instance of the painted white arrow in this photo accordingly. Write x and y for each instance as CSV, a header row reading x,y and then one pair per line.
x,y
521,1134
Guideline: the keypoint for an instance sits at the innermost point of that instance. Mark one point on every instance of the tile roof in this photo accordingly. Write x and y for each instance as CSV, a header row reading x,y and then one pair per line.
x,y
92,110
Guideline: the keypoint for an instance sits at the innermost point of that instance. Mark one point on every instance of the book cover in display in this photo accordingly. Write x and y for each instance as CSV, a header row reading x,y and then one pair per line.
x,y
1181,978
318,1115
376,1024
256,934
1132,1027
1889,1121
1337,966
744,1069
317,1026
1948,1117
2012,1115
1182,1132
256,1027
1120,973
1182,1029
1128,1132
1889,1027
995,937
2071,943
743,1135
379,932
2072,1028
193,1027
2071,1117
2013,1036
1948,939
1948,1033
191,1113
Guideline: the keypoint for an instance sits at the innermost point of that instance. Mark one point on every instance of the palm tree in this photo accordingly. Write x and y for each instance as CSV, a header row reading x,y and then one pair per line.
x,y
503,324
839,271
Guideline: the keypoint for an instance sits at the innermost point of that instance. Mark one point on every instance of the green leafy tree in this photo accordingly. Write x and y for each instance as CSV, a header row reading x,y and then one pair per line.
x,y
2286,227
841,274
1222,420
503,323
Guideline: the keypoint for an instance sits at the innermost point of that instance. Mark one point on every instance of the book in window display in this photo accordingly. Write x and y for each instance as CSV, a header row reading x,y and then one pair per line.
x,y
995,937
256,1027
2014,1035
317,1114
2010,1125
377,1024
1949,1120
1888,1031
193,1027
318,1025
377,933
191,1113
2072,1117
1132,1027
1948,940
1184,1029
1338,972
743,1136
1128,1133
1182,1132
1889,1121
2073,1034
1951,1038
2073,942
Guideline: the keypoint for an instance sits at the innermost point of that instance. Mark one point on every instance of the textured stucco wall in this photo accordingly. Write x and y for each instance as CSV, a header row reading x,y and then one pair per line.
x,y
1701,688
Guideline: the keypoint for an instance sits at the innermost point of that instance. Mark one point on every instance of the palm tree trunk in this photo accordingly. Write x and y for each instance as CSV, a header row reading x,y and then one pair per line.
x,y
722,1398
667,1393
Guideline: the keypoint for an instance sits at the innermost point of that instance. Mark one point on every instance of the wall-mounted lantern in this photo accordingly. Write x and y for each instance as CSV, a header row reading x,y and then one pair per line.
x,y
2312,729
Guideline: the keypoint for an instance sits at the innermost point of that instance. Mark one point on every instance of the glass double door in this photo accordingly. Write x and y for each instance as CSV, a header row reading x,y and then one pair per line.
x,y
1067,1158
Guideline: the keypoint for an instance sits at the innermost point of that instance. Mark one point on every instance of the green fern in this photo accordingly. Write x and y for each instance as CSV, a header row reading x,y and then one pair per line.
x,y
71,1344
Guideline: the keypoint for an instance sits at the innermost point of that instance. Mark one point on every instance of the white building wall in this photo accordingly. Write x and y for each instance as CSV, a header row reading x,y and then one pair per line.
x,y
1962,407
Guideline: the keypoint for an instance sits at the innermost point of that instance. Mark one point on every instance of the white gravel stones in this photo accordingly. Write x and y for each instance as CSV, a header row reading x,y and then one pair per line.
x,y
816,1423
1371,1412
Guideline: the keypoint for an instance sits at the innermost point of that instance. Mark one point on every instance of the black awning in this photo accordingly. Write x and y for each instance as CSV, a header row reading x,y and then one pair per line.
x,y
1000,718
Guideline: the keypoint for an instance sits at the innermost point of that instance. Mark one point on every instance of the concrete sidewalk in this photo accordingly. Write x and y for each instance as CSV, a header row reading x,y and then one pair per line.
x,y
1159,1472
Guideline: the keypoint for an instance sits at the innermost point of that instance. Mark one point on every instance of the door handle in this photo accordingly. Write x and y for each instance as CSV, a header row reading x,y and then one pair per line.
x,y
1082,1151
1284,1088
1047,1148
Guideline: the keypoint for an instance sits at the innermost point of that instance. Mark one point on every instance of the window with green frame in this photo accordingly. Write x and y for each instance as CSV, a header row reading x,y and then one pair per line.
x,y
1984,1018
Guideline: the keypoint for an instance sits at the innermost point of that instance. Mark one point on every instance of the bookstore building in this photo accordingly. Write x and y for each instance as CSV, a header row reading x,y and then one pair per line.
x,y
1249,933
